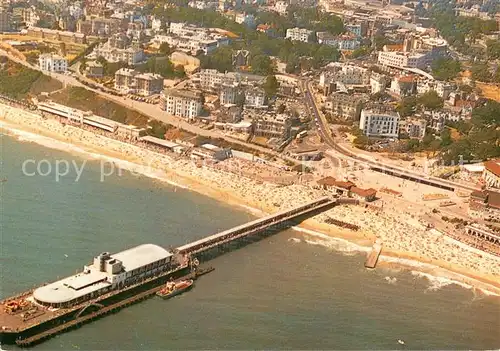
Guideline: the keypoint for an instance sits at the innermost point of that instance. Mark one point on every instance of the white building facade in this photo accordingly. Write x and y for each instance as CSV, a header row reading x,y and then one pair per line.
x,y
53,63
379,124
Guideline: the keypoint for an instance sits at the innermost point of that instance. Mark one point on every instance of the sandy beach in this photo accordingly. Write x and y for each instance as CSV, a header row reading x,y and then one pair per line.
x,y
406,241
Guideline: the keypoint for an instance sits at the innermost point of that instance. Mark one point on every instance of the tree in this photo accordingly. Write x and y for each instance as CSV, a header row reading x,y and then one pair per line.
x,y
165,49
496,77
271,86
407,106
446,137
493,49
446,68
221,59
431,100
261,64
481,72
292,64
359,52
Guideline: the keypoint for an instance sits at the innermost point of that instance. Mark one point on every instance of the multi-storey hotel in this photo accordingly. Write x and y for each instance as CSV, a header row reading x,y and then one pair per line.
x,y
182,103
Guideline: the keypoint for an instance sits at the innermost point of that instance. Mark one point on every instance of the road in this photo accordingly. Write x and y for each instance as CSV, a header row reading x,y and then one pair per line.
x,y
383,167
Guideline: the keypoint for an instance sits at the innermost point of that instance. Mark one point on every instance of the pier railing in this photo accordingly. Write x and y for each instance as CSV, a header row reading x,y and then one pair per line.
x,y
256,226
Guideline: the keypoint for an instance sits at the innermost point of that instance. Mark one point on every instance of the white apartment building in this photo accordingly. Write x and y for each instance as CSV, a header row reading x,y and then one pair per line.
x,y
131,81
182,103
402,59
255,97
379,124
346,74
52,63
342,42
281,7
378,82
156,24
131,55
443,89
414,127
299,34
228,94
210,79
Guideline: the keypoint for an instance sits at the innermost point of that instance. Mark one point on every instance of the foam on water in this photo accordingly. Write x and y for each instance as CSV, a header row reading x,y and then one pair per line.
x,y
442,278
327,241
147,171
391,280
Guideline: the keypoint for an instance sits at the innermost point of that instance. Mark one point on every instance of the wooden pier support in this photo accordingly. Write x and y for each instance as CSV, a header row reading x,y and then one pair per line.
x,y
372,259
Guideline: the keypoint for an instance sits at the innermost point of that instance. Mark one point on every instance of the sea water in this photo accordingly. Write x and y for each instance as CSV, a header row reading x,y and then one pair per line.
x,y
289,291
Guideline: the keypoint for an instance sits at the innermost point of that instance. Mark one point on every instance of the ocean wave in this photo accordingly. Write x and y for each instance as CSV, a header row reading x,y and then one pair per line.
x,y
51,143
29,137
439,278
439,282
294,240
329,242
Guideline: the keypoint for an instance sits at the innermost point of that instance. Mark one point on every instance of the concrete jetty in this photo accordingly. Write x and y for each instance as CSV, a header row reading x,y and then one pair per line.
x,y
372,259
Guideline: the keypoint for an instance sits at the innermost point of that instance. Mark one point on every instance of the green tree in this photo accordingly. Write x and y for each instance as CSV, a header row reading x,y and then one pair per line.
x,y
493,49
165,49
359,52
446,137
481,72
445,68
261,64
431,100
271,86
407,106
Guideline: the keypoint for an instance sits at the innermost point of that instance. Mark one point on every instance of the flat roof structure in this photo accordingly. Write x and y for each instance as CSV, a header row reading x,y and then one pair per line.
x,y
158,141
93,280
141,255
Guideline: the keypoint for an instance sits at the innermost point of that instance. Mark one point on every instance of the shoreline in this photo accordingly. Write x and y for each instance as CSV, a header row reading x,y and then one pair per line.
x,y
361,241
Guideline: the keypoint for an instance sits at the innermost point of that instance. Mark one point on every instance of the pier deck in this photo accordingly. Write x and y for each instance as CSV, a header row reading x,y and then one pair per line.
x,y
257,226
372,259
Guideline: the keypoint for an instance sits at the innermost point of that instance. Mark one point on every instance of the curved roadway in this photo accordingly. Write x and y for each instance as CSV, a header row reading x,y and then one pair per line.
x,y
377,165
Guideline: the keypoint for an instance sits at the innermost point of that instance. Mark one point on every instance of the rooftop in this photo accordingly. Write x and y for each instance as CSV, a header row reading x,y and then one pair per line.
x,y
493,166
92,279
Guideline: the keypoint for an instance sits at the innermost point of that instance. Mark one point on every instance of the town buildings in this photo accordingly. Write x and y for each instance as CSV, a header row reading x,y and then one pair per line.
x,y
52,63
299,34
119,47
377,123
413,127
346,74
183,103
491,173
130,81
241,58
57,35
255,97
94,69
342,42
192,39
402,59
345,106
378,82
272,126
403,86
229,93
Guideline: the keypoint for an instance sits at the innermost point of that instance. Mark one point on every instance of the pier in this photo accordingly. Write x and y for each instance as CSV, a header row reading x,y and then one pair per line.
x,y
372,259
96,308
280,221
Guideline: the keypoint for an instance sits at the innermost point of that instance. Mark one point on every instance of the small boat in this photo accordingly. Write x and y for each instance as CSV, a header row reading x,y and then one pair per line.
x,y
172,289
